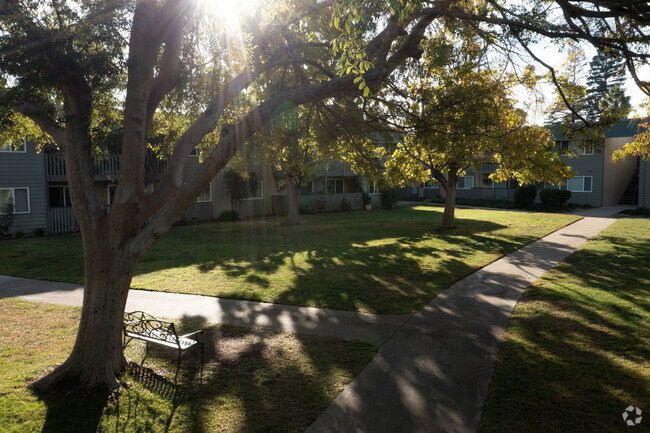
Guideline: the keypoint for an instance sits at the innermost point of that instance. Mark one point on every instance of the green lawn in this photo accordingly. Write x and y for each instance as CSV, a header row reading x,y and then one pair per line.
x,y
381,261
577,349
254,381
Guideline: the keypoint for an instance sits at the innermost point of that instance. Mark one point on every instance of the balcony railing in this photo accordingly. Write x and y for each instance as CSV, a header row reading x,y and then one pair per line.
x,y
105,169
61,220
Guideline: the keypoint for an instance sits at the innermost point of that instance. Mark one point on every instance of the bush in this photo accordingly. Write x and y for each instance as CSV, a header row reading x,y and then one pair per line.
x,y
554,198
229,215
389,198
6,217
320,205
345,205
305,210
39,232
525,195
20,234
366,198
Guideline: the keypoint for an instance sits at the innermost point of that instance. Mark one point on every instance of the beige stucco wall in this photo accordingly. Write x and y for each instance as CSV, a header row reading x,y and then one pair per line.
x,y
616,176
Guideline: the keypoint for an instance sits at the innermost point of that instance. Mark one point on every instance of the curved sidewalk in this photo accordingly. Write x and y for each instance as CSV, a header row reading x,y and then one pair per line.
x,y
432,375
433,367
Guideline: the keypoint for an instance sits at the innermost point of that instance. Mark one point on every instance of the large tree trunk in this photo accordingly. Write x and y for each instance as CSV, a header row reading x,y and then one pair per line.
x,y
292,202
97,356
450,201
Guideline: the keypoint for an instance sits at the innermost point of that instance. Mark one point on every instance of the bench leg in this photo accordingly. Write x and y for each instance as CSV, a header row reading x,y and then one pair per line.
x,y
178,366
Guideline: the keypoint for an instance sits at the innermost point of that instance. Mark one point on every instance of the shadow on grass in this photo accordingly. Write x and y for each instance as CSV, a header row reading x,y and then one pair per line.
x,y
382,266
576,352
254,381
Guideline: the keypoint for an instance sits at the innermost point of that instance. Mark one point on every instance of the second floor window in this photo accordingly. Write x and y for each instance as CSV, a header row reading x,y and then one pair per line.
x,y
206,195
466,182
59,196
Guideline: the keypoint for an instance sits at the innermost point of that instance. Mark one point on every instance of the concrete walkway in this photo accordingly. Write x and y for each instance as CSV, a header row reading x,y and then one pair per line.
x,y
432,375
433,367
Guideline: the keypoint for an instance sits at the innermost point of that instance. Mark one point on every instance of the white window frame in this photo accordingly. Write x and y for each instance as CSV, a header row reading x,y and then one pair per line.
x,y
10,150
260,190
108,192
195,152
436,184
13,197
583,184
66,202
335,180
464,182
375,190
584,149
198,199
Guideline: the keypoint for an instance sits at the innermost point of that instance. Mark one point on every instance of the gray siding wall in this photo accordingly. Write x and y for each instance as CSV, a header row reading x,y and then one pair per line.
x,y
588,165
644,184
19,170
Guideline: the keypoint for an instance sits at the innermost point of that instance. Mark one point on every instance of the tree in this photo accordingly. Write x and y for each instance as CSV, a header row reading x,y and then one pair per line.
x,y
606,74
76,68
461,116
295,144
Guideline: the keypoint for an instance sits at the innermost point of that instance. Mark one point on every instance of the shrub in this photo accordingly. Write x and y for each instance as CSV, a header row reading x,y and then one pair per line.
x,y
6,217
320,205
39,232
20,234
389,198
305,210
345,205
229,215
554,198
525,195
366,198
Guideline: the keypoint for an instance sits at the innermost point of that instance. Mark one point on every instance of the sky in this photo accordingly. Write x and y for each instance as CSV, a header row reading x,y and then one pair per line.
x,y
551,55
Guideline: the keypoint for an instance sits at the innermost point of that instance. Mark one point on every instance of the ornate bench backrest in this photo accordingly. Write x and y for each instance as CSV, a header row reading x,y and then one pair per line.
x,y
146,325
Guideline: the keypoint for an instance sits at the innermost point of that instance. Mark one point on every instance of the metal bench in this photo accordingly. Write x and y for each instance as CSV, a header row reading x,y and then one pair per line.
x,y
142,326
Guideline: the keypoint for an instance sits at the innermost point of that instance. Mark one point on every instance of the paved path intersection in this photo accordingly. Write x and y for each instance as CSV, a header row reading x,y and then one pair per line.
x,y
433,367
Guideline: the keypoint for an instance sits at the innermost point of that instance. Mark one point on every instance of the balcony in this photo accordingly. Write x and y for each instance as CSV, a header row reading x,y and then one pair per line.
x,y
335,169
105,169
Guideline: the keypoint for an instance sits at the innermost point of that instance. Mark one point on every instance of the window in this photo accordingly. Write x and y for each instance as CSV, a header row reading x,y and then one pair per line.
x,y
430,184
110,192
20,146
59,196
195,152
580,184
563,146
254,191
18,196
575,148
466,182
372,188
206,194
588,148
335,186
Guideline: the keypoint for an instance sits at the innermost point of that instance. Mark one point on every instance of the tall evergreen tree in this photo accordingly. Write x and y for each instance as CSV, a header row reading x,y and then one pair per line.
x,y
606,72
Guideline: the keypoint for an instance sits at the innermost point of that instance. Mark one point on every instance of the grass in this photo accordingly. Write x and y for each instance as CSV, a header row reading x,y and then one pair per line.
x,y
380,262
254,381
576,352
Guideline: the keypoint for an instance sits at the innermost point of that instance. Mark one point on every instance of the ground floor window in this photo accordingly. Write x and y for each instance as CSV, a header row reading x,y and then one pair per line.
x,y
19,197
465,182
206,194
255,190
372,188
335,186
430,184
59,196
580,184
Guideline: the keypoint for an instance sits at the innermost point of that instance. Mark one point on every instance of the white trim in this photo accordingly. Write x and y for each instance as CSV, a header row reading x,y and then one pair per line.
x,y
198,199
583,184
459,177
195,152
108,192
2,149
13,197
260,189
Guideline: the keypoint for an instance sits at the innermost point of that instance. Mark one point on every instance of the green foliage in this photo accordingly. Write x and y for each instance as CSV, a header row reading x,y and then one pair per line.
x,y
239,187
388,198
525,195
20,234
554,198
6,217
39,232
229,215
345,205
